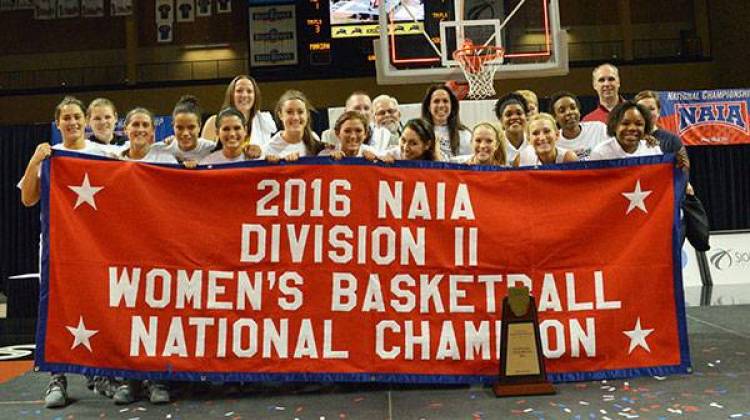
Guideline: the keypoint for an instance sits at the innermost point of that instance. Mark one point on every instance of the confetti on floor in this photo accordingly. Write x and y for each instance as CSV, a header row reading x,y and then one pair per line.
x,y
674,410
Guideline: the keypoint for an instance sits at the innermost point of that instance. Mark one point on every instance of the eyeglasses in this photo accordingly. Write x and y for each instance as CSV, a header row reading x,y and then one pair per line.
x,y
386,111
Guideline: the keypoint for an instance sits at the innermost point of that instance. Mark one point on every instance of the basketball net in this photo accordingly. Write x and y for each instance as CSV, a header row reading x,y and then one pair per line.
x,y
479,63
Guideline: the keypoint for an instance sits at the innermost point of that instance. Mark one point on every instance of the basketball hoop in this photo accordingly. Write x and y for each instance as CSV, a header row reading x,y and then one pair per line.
x,y
479,63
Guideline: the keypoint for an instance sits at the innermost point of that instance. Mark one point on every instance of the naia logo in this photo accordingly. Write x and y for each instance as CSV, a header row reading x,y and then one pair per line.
x,y
727,114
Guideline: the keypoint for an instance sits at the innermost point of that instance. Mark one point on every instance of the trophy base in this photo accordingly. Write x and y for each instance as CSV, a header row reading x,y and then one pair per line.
x,y
516,390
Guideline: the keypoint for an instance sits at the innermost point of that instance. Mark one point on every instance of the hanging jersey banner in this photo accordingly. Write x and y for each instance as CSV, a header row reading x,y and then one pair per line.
x,y
353,271
707,117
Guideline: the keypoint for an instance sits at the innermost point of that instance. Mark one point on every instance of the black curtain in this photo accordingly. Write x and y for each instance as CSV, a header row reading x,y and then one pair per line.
x,y
720,176
19,226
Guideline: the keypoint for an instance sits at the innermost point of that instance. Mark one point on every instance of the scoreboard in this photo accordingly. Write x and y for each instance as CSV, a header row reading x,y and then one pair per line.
x,y
320,39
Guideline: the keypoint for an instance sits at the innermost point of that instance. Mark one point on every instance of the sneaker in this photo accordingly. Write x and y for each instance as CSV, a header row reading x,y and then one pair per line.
x,y
57,394
158,393
124,394
103,386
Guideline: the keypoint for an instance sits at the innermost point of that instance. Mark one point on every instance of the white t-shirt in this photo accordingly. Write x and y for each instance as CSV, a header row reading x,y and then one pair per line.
x,y
392,152
263,128
92,148
279,147
200,151
611,149
383,139
511,152
89,148
442,135
154,155
363,148
218,157
592,134
528,156
461,159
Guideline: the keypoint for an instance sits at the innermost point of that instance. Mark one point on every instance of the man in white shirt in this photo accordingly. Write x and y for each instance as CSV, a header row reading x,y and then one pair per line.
x,y
387,130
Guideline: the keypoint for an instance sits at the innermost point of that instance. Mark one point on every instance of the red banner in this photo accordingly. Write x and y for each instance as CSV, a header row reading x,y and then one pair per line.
x,y
356,272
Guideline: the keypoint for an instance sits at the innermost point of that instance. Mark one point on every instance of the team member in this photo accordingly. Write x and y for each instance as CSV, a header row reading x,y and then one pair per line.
x,y
580,137
296,139
230,124
387,116
630,125
543,135
70,120
440,107
351,128
139,127
101,116
511,111
187,147
243,93
417,142
532,101
488,143
606,81
668,141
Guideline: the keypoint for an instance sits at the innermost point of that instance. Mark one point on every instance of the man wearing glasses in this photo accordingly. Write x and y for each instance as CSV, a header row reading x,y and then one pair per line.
x,y
387,130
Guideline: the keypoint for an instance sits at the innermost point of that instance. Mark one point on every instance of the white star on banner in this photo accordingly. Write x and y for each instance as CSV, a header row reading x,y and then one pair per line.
x,y
85,192
636,198
638,336
81,335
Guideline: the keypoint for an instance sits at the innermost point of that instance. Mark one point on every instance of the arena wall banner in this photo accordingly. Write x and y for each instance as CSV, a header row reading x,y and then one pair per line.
x,y
354,271
707,117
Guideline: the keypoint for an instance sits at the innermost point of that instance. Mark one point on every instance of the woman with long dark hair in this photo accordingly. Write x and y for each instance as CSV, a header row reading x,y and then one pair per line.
x,y
440,107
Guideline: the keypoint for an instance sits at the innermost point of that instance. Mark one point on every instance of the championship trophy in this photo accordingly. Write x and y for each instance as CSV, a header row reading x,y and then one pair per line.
x,y
521,359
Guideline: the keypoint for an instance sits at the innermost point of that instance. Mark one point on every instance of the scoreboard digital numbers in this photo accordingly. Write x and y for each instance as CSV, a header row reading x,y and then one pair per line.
x,y
332,38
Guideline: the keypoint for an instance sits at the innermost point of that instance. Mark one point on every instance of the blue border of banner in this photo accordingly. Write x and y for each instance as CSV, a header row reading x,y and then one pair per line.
x,y
679,183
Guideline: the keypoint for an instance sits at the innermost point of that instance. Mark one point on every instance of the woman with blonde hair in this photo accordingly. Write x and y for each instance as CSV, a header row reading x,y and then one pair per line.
x,y
543,134
101,116
488,144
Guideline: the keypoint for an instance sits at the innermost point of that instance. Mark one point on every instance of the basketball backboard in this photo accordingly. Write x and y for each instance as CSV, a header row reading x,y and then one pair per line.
x,y
528,30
